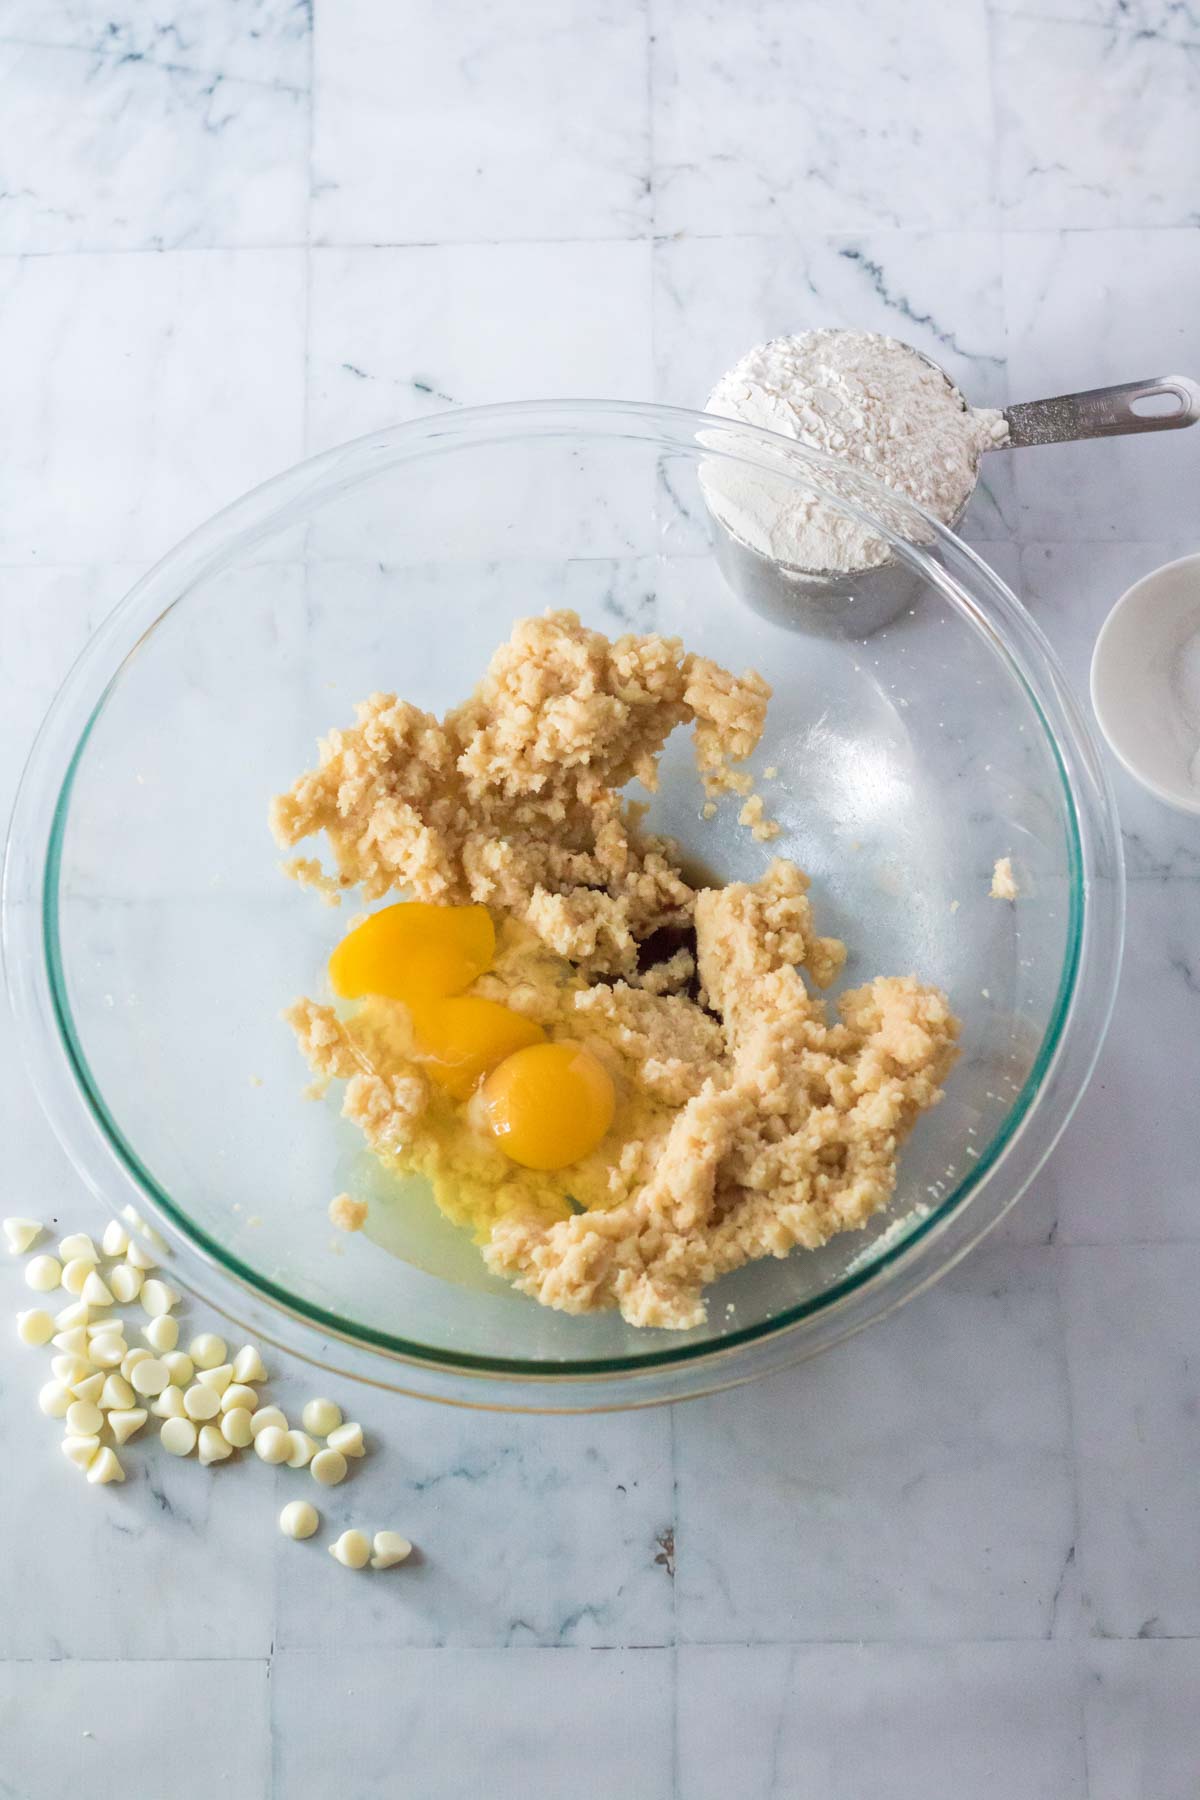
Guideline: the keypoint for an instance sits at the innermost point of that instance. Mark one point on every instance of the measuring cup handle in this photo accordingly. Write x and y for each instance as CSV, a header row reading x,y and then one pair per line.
x,y
1105,412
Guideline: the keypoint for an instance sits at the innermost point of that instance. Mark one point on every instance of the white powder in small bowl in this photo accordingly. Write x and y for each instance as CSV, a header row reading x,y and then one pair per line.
x,y
1185,691
862,397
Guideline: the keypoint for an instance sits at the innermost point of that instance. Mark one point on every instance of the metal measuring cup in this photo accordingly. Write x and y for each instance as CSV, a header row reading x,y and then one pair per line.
x,y
854,603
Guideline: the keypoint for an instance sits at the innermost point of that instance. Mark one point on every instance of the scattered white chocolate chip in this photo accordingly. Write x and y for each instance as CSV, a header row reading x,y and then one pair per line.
x,y
200,1403
42,1273
125,1421
96,1291
321,1417
108,1326
35,1326
237,1394
248,1365
207,1351
109,1352
213,1446
267,1417
139,1257
328,1467
348,1439
21,1233
301,1449
74,1314
157,1298
105,1466
169,1404
78,1243
116,1393
80,1449
181,1366
347,1213
351,1550
84,1419
69,1369
178,1436
151,1377
390,1548
72,1343
90,1388
236,1427
126,1283
115,1241
272,1444
299,1519
162,1333
54,1399
217,1379
75,1273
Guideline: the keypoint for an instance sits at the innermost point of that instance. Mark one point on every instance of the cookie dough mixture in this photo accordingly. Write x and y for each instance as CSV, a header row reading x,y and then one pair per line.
x,y
750,1117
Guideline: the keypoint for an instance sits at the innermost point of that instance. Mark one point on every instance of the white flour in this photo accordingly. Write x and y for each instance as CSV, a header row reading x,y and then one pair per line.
x,y
1185,691
868,399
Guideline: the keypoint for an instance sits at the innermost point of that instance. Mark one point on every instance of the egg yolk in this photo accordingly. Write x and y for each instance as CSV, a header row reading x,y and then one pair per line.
x,y
414,952
458,1040
548,1105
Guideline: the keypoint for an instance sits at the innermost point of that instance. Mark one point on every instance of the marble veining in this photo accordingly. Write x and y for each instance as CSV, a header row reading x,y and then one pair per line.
x,y
956,1558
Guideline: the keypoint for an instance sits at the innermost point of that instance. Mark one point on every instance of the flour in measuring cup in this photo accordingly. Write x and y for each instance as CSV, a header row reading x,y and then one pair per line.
x,y
864,398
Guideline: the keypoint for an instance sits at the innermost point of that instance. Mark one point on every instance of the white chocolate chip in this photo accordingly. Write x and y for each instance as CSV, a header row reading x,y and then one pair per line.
x,y
298,1519
72,1343
105,1467
35,1326
75,1273
123,1423
235,1426
348,1439
108,1326
132,1358
115,1241
69,1369
238,1394
351,1550
80,1448
139,1256
116,1393
162,1333
214,1447
78,1244
181,1366
126,1283
321,1417
301,1449
74,1314
390,1548
201,1403
328,1467
248,1365
96,1291
42,1273
150,1377
273,1445
158,1298
267,1416
207,1351
90,1388
84,1419
178,1436
21,1233
169,1404
109,1352
217,1379
54,1399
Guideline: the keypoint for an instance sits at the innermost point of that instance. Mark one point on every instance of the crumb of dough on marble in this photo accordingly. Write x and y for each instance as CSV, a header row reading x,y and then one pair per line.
x,y
1004,882
753,815
347,1213
751,1117
256,1080
709,810
770,773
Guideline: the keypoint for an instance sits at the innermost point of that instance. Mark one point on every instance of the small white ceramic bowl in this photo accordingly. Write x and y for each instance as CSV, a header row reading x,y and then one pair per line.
x,y
1135,680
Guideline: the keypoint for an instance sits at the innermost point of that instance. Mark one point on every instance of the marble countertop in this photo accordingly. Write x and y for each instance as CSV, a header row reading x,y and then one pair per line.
x,y
957,1558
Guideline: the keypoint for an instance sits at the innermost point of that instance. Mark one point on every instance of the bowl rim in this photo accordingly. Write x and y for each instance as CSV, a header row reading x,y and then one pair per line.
x,y
97,1147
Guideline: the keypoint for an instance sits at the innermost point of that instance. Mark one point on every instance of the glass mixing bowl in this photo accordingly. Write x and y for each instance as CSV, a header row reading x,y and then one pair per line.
x,y
151,942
